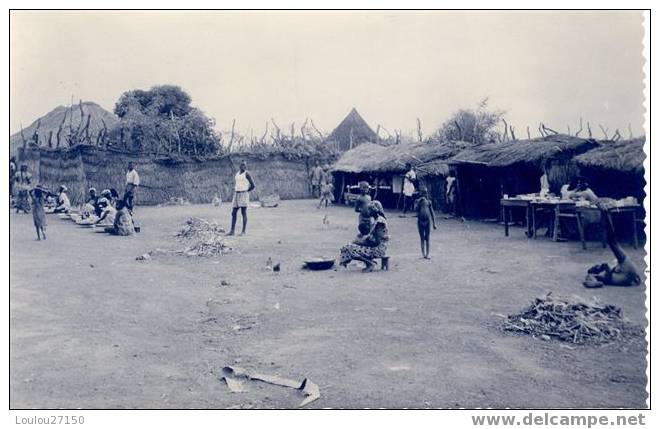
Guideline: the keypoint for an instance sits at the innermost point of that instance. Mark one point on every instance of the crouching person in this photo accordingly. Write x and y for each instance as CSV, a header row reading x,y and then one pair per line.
x,y
123,224
620,272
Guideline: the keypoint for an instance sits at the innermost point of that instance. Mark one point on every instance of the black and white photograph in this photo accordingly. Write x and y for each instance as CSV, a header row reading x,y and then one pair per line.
x,y
329,209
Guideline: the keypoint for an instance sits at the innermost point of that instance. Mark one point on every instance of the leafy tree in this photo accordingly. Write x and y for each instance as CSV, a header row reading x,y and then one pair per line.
x,y
160,120
475,126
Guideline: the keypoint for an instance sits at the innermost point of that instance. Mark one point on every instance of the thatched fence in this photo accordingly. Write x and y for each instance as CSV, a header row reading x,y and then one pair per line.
x,y
195,180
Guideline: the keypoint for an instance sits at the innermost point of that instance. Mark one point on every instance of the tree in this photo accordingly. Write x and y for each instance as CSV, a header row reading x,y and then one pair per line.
x,y
476,126
161,119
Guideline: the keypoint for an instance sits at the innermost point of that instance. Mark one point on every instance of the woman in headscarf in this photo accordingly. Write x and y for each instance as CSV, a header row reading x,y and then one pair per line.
x,y
63,203
371,246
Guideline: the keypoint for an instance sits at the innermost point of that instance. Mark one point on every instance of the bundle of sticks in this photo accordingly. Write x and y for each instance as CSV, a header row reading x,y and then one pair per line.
x,y
198,228
211,246
204,238
575,321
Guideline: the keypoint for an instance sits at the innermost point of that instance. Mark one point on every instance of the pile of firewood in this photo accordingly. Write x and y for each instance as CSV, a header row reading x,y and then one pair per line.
x,y
574,321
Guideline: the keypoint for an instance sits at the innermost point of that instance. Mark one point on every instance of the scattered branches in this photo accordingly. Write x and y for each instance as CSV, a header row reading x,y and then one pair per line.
x,y
604,130
577,134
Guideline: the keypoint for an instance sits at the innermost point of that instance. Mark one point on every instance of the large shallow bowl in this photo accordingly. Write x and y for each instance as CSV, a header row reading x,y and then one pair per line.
x,y
319,263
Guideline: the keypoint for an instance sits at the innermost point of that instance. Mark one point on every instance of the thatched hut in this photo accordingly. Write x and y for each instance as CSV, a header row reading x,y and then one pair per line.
x,y
486,172
615,169
352,131
384,166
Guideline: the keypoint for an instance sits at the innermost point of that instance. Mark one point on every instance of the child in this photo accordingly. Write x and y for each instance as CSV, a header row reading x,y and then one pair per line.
x,y
38,212
425,216
362,204
327,195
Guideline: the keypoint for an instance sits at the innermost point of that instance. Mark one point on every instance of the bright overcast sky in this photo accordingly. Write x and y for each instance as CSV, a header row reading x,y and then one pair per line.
x,y
392,66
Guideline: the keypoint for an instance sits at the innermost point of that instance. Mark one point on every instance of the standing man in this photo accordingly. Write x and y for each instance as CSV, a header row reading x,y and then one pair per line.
x,y
132,182
408,188
317,180
243,184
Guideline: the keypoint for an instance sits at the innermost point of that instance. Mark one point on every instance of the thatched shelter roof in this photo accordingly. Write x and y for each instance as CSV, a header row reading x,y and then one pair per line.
x,y
375,158
352,131
52,120
622,155
533,151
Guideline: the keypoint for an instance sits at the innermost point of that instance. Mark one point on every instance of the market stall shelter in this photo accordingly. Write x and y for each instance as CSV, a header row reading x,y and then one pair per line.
x,y
486,173
383,168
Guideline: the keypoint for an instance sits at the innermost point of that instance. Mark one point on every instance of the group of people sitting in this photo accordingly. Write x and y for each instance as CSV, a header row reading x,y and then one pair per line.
x,y
106,210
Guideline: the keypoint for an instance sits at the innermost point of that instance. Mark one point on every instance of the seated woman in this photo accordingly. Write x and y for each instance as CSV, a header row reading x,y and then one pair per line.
x,y
371,246
63,203
108,213
123,224
93,202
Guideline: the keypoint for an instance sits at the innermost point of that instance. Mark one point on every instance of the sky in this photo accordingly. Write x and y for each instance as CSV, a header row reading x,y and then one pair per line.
x,y
394,67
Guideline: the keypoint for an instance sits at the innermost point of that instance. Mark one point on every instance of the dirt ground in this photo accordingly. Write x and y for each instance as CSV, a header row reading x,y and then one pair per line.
x,y
91,327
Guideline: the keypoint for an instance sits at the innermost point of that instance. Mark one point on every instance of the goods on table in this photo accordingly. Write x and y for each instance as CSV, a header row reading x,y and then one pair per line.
x,y
574,321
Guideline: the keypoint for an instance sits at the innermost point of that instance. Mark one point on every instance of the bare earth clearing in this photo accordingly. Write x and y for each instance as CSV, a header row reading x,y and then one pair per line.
x,y
91,327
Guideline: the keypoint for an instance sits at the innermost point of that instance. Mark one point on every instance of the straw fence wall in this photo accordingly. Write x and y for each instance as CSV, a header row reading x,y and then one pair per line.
x,y
197,181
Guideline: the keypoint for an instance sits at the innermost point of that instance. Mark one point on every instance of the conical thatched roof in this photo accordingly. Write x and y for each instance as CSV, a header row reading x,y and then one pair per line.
x,y
533,151
52,120
375,158
622,155
352,131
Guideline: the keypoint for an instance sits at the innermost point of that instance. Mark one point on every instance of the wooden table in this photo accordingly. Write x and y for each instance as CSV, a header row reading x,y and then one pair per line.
x,y
561,208
630,210
509,204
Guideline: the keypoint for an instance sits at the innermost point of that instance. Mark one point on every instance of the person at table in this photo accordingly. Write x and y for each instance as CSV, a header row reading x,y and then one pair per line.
x,y
63,203
544,181
568,189
620,272
583,192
